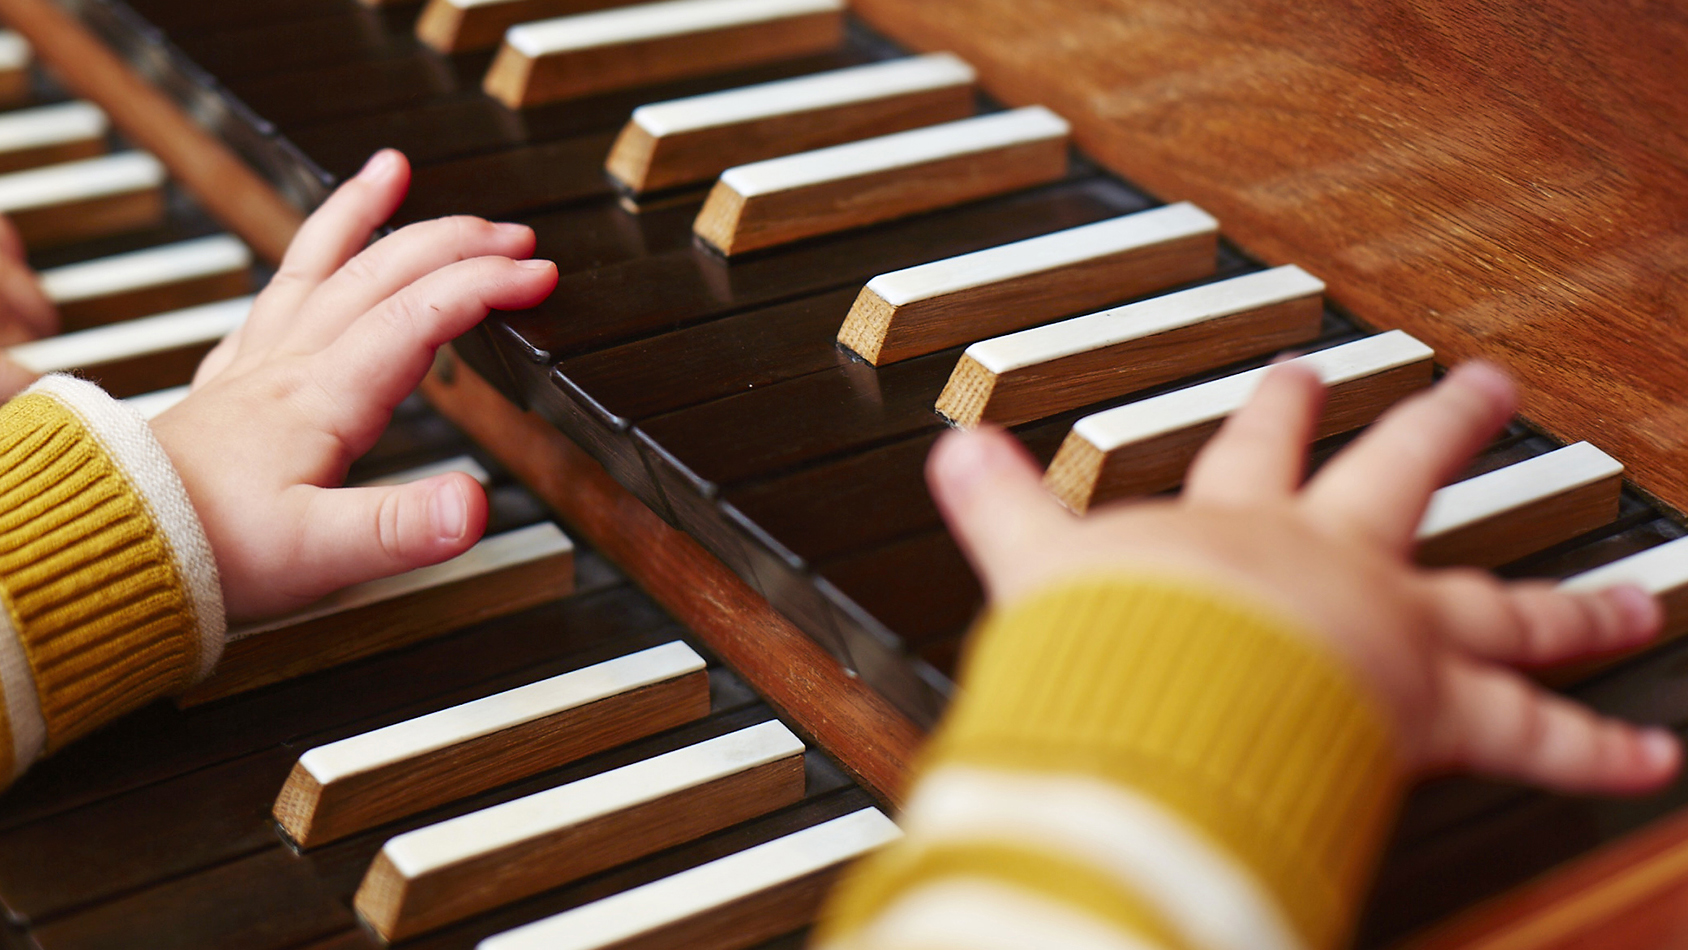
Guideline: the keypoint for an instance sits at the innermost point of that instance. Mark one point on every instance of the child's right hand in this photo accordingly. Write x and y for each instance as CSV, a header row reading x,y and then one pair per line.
x,y
1335,555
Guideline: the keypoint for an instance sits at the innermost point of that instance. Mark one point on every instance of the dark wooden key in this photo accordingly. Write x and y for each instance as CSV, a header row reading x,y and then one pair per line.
x,y
261,49
688,285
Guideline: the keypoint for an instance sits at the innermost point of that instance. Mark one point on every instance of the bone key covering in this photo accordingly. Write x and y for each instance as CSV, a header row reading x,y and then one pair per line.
x,y
15,57
653,42
154,279
429,877
766,891
848,186
687,141
1661,571
499,576
140,355
453,26
1038,373
48,135
1145,446
83,199
947,303
1505,514
377,777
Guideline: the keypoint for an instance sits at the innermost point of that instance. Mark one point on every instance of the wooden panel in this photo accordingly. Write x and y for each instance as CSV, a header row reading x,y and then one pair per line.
x,y
1496,178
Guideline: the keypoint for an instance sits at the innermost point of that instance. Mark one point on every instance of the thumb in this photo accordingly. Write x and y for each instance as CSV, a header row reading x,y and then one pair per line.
x,y
990,492
352,535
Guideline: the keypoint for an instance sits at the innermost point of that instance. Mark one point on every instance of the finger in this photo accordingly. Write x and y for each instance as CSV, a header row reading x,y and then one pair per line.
x,y
337,230
14,378
11,242
352,535
381,357
1496,722
1381,484
395,262
1261,451
1533,623
27,313
218,359
990,492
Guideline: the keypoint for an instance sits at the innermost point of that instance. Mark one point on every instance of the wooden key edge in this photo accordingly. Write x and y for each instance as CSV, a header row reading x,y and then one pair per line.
x,y
397,907
641,162
975,394
732,224
1078,474
312,814
324,642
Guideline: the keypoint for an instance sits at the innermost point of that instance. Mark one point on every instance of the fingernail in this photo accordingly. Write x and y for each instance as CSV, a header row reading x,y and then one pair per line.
x,y
968,457
1641,611
1482,375
451,511
1659,746
510,227
535,264
380,165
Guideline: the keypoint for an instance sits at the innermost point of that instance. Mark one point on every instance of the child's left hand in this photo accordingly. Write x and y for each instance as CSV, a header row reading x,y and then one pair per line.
x,y
281,408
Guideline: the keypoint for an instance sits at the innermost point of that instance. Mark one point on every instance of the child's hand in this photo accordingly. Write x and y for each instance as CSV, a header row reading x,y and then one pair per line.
x,y
1336,555
25,312
282,408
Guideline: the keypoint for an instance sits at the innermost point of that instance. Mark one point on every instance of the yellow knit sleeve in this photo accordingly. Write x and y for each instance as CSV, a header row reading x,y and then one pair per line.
x,y
1136,762
108,593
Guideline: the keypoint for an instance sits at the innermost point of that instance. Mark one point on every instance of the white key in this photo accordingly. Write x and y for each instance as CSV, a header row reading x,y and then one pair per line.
x,y
706,889
130,339
91,178
151,267
47,126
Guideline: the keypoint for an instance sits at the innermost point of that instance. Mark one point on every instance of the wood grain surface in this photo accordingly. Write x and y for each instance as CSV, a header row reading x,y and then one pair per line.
x,y
1500,179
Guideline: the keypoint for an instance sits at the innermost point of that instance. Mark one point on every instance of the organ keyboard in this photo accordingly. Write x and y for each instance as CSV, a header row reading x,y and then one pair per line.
x,y
711,390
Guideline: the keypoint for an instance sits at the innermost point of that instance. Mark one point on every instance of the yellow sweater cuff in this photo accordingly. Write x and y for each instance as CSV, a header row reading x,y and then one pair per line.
x,y
107,584
1222,714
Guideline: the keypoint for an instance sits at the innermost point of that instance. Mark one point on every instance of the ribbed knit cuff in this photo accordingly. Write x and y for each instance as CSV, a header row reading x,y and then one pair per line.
x,y
109,585
1224,714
